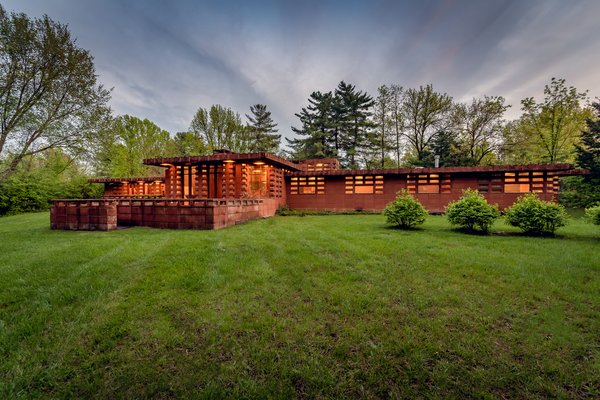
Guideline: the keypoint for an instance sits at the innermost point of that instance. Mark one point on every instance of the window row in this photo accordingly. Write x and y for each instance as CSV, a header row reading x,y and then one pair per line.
x,y
519,182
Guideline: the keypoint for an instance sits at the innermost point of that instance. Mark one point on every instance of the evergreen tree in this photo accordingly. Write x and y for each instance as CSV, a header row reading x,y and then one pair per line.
x,y
317,137
588,151
356,124
261,130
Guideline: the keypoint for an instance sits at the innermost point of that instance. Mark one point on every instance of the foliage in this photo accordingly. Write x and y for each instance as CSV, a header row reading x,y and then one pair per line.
x,y
41,178
555,124
472,212
405,211
48,90
220,128
425,112
261,130
478,127
578,192
334,125
535,216
593,214
188,144
588,151
126,143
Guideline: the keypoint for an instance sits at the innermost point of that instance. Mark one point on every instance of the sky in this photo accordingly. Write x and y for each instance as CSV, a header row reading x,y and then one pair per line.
x,y
165,59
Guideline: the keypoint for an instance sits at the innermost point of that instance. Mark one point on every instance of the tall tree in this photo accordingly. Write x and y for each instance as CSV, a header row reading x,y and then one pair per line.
x,y
588,150
479,126
49,95
396,101
262,130
425,113
383,117
221,128
356,123
317,132
557,121
128,141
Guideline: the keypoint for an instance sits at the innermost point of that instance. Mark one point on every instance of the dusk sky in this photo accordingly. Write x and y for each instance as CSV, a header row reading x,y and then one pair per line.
x,y
165,59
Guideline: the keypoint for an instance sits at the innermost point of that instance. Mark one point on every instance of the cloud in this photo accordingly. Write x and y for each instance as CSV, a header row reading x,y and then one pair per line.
x,y
166,59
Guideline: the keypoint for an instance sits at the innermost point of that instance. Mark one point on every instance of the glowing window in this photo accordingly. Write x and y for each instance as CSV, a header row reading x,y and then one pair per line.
x,y
307,185
429,183
364,184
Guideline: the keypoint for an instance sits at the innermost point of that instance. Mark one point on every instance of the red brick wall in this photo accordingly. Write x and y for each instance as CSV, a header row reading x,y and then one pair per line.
x,y
335,198
87,215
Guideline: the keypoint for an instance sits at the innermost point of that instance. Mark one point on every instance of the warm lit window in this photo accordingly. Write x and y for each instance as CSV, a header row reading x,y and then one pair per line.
x,y
519,182
307,185
364,184
429,183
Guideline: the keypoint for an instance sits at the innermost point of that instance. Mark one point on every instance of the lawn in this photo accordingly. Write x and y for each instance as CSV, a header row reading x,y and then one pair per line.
x,y
298,307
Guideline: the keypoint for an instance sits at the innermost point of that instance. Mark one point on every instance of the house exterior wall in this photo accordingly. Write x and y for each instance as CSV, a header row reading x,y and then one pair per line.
x,y
336,199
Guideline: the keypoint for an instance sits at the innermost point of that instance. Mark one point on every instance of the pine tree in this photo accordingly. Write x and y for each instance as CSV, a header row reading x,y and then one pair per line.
x,y
261,130
317,132
356,124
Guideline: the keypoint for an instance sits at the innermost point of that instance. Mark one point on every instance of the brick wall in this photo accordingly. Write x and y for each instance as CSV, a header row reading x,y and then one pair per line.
x,y
88,215
336,199
158,213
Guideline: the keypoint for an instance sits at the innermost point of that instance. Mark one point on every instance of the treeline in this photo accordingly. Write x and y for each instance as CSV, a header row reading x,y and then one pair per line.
x,y
410,127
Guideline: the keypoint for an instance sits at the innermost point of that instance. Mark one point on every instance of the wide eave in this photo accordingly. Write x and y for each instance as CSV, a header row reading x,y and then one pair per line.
x,y
218,158
560,169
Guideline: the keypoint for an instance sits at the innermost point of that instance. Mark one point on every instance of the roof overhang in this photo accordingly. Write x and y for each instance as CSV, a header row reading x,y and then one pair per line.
x,y
220,158
127,180
559,169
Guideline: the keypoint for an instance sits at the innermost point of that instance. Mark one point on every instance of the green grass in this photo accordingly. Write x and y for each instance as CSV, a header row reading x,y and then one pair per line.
x,y
300,307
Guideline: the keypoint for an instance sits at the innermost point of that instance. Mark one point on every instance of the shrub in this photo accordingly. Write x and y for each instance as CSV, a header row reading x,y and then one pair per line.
x,y
405,211
593,214
578,192
535,216
472,212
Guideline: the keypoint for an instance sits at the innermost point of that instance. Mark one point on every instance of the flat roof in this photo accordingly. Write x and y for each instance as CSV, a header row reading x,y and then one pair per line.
x,y
564,169
218,158
135,179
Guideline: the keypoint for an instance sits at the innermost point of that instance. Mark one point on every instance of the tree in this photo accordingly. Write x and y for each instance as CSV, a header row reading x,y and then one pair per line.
x,y
557,121
49,96
425,113
317,132
382,138
188,144
220,128
355,125
396,101
127,142
588,150
261,129
479,126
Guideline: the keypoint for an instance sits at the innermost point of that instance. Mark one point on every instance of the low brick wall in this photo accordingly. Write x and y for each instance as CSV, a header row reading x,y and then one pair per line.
x,y
85,215
160,213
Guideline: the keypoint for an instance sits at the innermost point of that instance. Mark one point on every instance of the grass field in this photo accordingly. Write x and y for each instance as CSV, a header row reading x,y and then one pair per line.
x,y
304,307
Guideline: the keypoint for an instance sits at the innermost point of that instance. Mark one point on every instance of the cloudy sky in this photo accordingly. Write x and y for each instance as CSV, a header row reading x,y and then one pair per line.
x,y
165,59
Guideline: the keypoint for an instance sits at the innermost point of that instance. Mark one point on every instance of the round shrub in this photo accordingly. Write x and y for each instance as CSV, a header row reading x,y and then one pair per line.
x,y
593,214
405,212
535,216
472,212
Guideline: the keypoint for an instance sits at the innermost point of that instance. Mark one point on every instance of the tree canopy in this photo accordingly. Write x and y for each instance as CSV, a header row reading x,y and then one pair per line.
x,y
49,94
